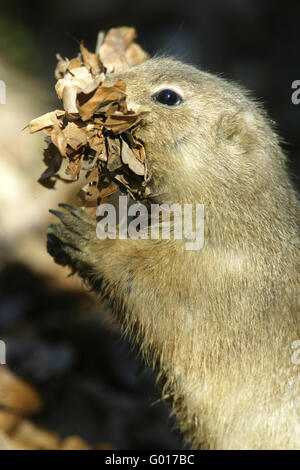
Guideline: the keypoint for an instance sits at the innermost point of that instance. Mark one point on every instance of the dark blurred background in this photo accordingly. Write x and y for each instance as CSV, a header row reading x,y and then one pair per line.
x,y
95,389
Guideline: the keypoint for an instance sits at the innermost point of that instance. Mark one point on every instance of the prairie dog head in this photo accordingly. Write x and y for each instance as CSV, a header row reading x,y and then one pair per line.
x,y
202,135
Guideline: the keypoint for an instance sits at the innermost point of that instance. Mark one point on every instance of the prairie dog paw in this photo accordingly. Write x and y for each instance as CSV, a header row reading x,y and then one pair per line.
x,y
68,242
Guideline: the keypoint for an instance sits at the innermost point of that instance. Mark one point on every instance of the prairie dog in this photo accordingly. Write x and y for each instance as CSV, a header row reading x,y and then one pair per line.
x,y
219,324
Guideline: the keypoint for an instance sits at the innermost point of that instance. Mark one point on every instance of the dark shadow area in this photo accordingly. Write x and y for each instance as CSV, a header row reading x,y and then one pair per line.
x,y
91,384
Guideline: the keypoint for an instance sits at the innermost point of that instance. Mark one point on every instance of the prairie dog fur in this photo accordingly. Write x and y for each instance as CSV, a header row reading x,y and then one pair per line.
x,y
218,323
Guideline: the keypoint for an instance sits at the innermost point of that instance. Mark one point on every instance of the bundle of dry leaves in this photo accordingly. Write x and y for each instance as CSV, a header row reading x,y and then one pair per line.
x,y
95,130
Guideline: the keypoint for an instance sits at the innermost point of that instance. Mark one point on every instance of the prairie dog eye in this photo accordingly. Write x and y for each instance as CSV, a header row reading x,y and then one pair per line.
x,y
167,97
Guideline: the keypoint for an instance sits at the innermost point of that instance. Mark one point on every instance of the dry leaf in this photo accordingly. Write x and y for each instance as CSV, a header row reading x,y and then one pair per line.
x,y
118,122
114,152
75,135
94,132
44,121
61,67
115,51
135,54
129,157
73,82
88,103
91,61
97,144
53,160
74,165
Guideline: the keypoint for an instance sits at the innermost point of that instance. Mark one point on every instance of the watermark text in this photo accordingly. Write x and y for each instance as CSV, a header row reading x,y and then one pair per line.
x,y
159,221
2,352
2,92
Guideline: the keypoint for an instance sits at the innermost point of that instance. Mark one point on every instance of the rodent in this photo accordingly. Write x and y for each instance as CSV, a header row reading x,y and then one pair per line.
x,y
219,323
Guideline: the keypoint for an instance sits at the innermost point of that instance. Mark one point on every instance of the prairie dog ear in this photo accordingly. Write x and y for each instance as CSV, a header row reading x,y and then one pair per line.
x,y
237,128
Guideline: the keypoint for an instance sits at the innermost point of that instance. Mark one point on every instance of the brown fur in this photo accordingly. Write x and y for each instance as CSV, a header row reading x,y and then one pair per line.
x,y
218,323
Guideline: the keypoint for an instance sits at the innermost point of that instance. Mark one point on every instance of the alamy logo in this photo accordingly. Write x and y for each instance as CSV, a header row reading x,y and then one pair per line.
x,y
296,354
2,352
2,92
296,94
159,221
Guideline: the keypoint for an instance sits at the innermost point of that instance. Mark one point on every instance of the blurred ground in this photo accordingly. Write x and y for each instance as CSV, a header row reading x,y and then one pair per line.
x,y
88,383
